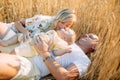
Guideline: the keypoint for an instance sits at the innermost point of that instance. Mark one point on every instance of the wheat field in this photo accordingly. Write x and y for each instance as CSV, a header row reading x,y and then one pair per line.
x,y
101,17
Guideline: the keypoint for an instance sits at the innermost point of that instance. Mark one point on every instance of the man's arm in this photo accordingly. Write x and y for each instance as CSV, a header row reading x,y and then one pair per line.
x,y
59,72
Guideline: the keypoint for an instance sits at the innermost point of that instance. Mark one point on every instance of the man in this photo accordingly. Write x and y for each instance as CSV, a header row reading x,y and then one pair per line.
x,y
67,67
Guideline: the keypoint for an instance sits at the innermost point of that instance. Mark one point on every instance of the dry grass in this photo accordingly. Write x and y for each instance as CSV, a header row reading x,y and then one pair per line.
x,y
94,16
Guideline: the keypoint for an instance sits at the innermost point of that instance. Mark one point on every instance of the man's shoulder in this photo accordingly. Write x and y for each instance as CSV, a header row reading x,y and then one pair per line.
x,y
76,50
75,47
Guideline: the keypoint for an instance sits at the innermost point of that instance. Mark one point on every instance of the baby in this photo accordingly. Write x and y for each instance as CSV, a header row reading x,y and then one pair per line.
x,y
58,40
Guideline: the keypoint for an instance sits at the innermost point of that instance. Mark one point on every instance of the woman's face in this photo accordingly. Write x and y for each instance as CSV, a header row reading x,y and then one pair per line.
x,y
64,25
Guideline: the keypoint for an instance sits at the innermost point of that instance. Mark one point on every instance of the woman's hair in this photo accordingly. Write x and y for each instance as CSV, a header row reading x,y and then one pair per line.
x,y
63,16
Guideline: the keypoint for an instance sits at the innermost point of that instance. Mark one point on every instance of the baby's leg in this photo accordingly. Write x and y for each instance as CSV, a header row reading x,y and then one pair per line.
x,y
3,30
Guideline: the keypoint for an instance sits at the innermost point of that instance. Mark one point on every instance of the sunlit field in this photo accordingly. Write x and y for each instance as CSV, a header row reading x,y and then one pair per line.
x,y
101,17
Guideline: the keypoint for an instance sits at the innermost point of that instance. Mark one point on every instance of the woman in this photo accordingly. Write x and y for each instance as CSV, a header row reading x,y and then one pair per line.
x,y
63,19
39,23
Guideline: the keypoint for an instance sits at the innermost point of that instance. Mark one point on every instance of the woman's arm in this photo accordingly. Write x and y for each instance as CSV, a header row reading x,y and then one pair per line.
x,y
3,30
23,22
20,27
59,72
11,41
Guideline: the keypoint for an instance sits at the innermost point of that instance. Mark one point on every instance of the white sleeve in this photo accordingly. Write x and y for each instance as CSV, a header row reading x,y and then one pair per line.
x,y
82,65
33,21
39,21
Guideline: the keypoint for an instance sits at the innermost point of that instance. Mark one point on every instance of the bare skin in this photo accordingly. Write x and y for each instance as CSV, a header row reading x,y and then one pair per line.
x,y
3,30
10,65
18,25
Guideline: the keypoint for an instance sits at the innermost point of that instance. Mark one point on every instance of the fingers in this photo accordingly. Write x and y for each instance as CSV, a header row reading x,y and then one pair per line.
x,y
38,40
27,36
40,44
68,50
41,40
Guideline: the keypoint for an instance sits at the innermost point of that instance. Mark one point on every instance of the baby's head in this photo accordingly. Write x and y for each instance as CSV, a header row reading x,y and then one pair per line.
x,y
68,35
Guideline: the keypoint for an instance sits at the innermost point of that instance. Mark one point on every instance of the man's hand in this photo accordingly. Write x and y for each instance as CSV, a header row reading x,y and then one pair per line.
x,y
40,45
26,37
68,50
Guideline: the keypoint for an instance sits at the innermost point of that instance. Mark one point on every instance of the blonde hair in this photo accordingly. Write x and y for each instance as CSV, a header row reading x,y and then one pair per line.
x,y
63,16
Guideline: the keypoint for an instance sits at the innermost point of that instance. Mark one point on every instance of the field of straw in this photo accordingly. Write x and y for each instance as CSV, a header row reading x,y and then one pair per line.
x,y
101,17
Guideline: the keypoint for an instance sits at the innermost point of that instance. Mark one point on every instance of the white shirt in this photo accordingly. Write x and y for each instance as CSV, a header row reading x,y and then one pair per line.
x,y
38,23
35,24
77,57
27,50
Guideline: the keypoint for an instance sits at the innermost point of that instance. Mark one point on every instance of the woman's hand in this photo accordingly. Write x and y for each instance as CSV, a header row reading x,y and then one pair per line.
x,y
22,21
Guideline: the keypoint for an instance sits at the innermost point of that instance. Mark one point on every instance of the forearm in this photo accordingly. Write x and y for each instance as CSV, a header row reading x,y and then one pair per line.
x,y
20,27
56,69
59,72
11,41
23,22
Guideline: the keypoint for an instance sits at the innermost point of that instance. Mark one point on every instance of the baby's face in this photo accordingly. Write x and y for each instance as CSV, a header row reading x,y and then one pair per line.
x,y
67,34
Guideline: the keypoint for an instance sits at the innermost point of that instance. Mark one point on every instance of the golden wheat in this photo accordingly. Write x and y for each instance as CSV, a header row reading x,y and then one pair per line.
x,y
93,16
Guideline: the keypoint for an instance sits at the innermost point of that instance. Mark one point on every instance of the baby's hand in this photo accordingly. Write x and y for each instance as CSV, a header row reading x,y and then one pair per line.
x,y
68,50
